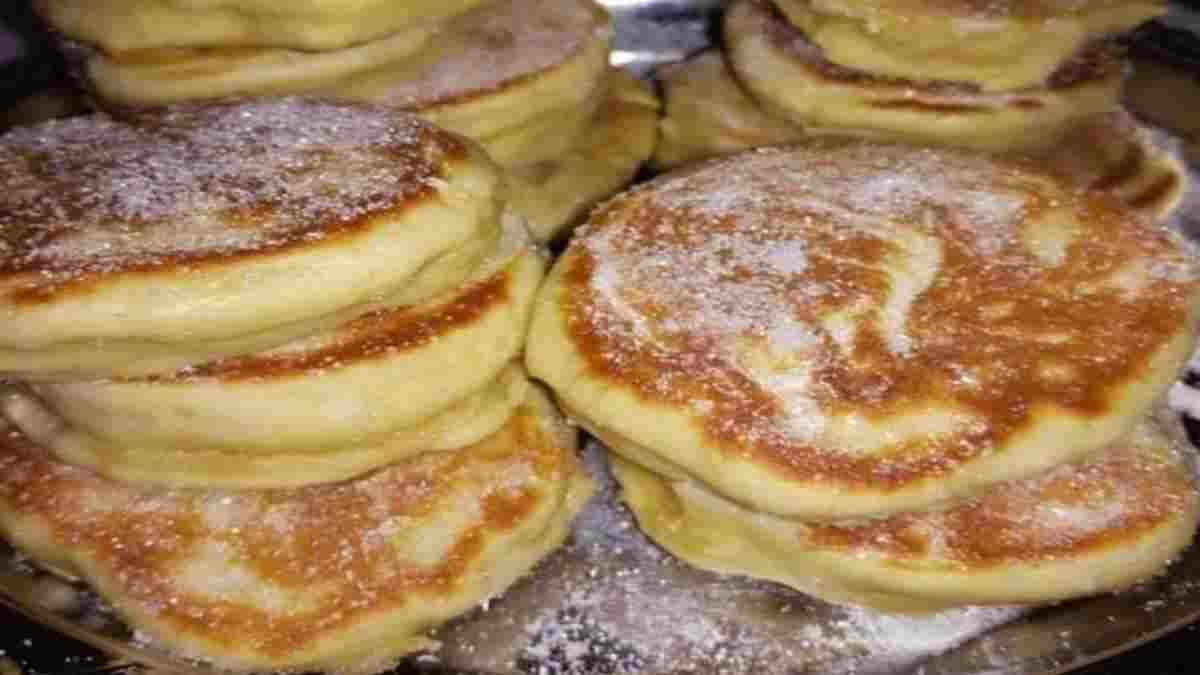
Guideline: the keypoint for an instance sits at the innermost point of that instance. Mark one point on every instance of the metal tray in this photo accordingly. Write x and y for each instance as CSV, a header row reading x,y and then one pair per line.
x,y
611,602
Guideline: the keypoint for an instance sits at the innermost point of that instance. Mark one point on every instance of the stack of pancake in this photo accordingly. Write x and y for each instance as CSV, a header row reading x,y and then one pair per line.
x,y
882,374
527,79
264,382
1005,77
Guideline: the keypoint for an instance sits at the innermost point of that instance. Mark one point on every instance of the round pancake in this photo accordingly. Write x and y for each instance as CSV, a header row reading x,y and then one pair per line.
x,y
552,195
151,77
845,327
226,229
708,114
1001,45
376,381
497,68
1100,526
125,25
461,423
765,51
344,577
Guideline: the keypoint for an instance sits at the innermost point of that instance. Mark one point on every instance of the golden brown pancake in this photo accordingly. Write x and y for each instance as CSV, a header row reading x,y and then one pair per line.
x,y
497,68
124,25
345,577
1081,529
371,391
552,195
793,79
159,76
845,327
997,44
226,229
708,114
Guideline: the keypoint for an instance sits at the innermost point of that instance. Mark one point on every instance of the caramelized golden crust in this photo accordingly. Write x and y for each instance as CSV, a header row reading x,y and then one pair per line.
x,y
90,198
1000,46
764,50
379,381
345,576
858,327
383,333
497,68
1079,529
208,225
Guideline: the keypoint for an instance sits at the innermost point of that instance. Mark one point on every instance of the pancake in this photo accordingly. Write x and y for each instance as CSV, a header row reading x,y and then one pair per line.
x,y
126,25
552,195
1005,44
708,114
226,229
344,577
463,422
792,78
151,77
1111,152
844,327
323,408
496,68
1097,527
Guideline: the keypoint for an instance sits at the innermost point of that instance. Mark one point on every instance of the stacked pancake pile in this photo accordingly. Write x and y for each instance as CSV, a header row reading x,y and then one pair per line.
x,y
895,376
1012,76
527,79
265,384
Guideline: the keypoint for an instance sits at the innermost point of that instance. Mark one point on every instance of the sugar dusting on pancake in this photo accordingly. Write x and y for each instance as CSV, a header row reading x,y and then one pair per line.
x,y
88,197
790,295
1099,61
496,45
1070,510
269,572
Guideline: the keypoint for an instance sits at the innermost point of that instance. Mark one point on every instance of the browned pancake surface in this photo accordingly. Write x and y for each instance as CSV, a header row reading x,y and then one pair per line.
x,y
89,198
685,286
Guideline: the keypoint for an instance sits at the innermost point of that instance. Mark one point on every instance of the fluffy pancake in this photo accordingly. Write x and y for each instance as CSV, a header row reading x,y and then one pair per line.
x,y
1103,525
846,327
498,67
463,422
226,229
553,194
1005,44
375,380
124,25
150,77
344,577
1111,152
792,78
708,114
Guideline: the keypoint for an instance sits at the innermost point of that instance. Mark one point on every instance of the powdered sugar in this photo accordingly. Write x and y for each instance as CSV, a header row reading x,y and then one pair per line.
x,y
490,47
797,284
89,192
612,602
